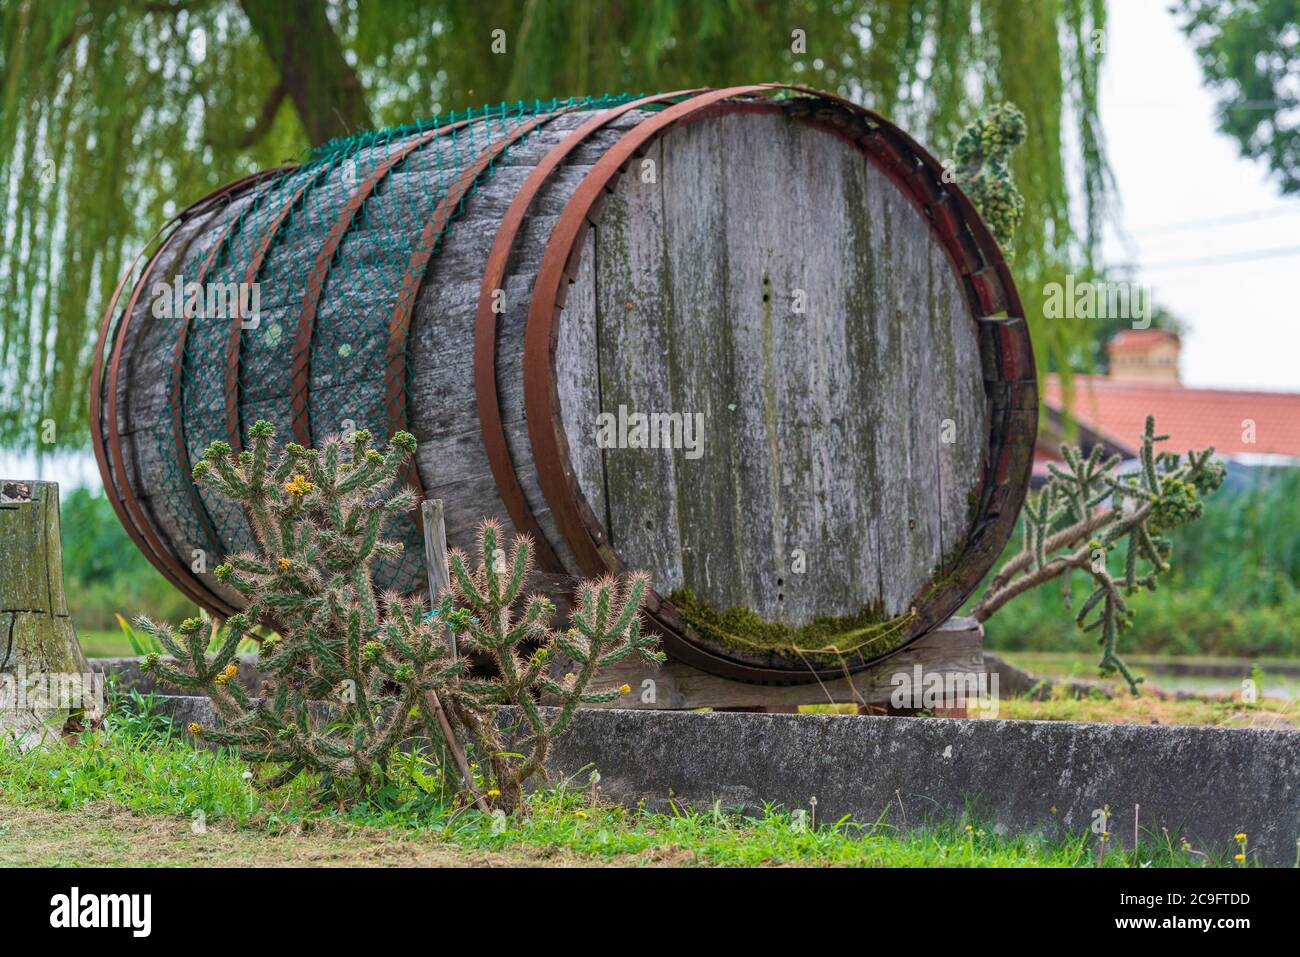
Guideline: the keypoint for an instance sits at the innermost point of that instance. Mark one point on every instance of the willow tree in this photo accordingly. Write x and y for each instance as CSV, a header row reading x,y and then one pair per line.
x,y
115,112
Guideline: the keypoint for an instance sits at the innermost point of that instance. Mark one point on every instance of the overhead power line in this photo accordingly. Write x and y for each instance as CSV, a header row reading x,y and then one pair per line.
x,y
1243,256
1219,221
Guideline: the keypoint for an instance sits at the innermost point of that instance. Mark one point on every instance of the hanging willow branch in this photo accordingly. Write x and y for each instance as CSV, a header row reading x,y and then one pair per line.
x,y
115,115
1085,512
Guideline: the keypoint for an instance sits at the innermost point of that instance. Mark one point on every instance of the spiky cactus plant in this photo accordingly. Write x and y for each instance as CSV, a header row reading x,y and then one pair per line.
x,y
382,662
1067,529
317,518
605,629
984,170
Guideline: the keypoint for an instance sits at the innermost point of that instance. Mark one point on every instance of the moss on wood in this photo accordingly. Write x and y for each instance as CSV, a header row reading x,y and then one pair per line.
x,y
867,632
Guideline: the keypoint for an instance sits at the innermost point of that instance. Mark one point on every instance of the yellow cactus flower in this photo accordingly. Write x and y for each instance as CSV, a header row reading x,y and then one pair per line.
x,y
298,486
221,678
285,564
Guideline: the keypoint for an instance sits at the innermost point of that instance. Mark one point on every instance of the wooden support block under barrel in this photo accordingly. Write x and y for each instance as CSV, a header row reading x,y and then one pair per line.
x,y
954,648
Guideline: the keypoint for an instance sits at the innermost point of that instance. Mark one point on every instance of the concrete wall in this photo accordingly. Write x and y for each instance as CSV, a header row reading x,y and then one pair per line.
x,y
1048,777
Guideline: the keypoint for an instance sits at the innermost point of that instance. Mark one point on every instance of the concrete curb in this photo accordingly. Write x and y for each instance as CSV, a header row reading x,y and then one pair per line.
x,y
132,676
1040,777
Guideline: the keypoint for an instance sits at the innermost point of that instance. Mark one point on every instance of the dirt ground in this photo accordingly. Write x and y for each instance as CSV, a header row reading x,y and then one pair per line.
x,y
101,835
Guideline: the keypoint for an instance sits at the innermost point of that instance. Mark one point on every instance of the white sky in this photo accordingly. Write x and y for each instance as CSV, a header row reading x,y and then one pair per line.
x,y
1172,167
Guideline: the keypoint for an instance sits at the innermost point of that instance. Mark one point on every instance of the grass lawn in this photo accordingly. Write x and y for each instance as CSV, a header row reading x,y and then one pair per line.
x,y
1146,708
104,644
1149,709
1274,677
135,795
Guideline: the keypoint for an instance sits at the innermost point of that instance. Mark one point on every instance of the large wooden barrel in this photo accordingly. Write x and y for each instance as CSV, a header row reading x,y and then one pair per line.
x,y
821,336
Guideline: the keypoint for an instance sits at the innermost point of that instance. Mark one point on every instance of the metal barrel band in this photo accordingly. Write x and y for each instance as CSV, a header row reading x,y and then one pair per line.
x,y
491,427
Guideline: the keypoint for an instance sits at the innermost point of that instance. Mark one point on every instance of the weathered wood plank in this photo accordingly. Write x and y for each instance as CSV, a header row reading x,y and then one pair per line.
x,y
900,289
577,375
699,356
631,341
959,388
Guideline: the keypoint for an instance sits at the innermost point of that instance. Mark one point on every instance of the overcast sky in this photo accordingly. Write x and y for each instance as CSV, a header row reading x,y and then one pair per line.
x,y
1173,167
1174,170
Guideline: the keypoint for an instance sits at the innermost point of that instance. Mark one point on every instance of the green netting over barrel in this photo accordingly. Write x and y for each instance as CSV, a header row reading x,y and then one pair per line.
x,y
314,356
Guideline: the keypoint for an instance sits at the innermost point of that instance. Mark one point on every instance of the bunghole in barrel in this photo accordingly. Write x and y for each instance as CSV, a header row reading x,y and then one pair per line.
x,y
749,340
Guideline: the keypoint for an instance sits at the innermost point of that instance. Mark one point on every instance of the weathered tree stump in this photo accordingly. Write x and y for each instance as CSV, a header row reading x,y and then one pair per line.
x,y
45,680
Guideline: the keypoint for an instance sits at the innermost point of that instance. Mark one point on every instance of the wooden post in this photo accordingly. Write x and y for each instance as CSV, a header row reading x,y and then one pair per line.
x,y
435,565
38,645
435,555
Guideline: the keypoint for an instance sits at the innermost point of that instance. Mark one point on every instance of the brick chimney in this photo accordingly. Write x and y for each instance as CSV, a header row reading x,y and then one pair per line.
x,y
1144,355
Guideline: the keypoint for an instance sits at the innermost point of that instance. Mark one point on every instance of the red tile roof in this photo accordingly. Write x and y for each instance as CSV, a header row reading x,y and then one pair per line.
x,y
1192,418
1140,340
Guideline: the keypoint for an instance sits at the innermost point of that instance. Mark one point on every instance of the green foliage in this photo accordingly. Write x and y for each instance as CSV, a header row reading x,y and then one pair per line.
x,y
105,572
142,643
1250,55
1234,591
1066,529
116,115
382,662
